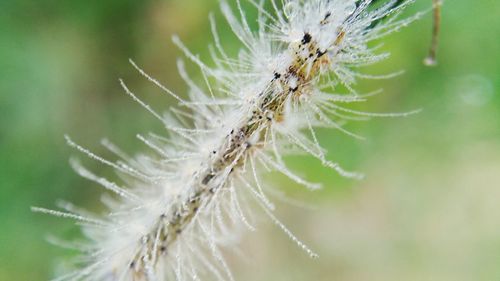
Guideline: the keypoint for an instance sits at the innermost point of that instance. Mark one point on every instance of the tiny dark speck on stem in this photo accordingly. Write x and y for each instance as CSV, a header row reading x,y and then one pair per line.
x,y
307,38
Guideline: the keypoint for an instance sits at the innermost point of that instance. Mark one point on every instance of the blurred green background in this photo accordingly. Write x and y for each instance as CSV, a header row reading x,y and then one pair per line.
x,y
428,209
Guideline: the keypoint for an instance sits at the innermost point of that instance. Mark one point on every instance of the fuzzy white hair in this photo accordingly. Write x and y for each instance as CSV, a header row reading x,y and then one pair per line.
x,y
181,205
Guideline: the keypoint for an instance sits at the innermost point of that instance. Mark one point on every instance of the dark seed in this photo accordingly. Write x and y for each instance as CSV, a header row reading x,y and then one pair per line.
x,y
307,38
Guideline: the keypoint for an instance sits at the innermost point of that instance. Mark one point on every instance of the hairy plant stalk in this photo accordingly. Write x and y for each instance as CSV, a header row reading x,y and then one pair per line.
x,y
182,205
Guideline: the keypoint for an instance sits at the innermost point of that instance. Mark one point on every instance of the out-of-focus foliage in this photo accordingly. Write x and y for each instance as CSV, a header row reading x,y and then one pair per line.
x,y
427,211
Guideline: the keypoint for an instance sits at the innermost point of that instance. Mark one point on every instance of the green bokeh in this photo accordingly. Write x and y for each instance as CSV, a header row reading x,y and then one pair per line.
x,y
427,210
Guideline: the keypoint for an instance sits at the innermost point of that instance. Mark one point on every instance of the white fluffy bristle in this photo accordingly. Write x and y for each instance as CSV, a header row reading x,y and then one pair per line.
x,y
182,202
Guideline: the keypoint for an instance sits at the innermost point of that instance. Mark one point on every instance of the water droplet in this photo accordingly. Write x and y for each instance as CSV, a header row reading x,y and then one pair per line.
x,y
430,61
474,89
349,8
291,10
